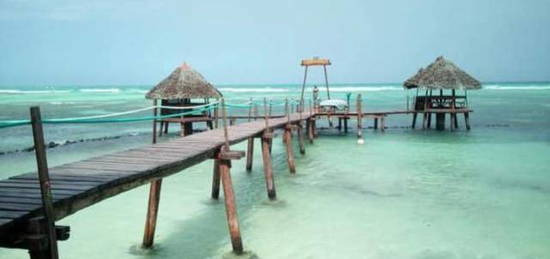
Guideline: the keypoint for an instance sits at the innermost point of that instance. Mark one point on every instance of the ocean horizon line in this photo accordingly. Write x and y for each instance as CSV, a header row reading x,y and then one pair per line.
x,y
320,84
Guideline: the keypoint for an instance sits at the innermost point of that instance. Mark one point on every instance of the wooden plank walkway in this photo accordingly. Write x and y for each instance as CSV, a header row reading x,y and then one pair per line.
x,y
78,185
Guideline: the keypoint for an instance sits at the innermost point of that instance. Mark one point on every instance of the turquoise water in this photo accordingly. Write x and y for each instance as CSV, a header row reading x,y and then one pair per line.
x,y
404,194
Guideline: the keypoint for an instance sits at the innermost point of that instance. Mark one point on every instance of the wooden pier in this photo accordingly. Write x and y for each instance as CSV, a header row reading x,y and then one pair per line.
x,y
27,218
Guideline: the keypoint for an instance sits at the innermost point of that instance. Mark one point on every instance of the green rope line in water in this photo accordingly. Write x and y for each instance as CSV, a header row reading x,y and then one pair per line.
x,y
131,119
8,124
209,107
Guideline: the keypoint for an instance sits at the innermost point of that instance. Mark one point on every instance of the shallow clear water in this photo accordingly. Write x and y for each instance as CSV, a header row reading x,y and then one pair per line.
x,y
404,194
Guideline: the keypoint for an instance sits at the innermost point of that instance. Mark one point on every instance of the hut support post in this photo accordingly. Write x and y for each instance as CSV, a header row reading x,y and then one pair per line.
x,y
48,250
451,121
414,120
440,121
424,120
346,124
467,120
429,120
155,121
152,212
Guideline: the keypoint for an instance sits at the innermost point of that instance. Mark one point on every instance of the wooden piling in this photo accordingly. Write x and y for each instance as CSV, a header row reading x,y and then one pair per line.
x,y
359,107
289,151
266,156
231,207
451,122
424,120
310,130
414,120
268,169
376,122
455,119
249,154
152,212
287,140
216,179
346,124
440,121
250,144
300,133
154,199
229,195
467,120
45,190
155,121
383,123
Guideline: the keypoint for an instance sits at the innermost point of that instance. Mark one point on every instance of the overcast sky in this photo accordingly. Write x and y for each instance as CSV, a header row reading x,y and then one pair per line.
x,y
105,42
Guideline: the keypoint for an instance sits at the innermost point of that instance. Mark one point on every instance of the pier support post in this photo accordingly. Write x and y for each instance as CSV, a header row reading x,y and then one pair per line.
x,y
289,152
267,140
301,138
383,123
224,157
375,123
250,145
249,154
310,130
216,180
429,120
50,250
230,206
152,212
268,168
359,107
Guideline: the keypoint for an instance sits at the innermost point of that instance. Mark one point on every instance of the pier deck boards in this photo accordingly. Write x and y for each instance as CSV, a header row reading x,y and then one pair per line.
x,y
80,184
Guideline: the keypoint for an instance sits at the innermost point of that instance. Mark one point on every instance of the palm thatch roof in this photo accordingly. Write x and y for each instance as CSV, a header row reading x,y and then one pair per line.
x,y
442,74
183,83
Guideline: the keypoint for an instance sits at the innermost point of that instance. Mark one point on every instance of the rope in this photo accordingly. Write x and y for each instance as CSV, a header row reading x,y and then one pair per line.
x,y
134,119
102,118
7,124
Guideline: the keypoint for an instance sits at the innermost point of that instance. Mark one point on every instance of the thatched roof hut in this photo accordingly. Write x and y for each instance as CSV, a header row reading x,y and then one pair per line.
x,y
183,83
442,74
